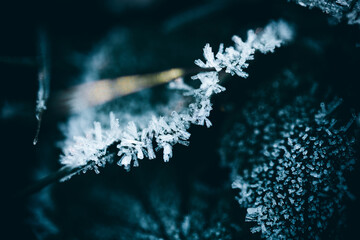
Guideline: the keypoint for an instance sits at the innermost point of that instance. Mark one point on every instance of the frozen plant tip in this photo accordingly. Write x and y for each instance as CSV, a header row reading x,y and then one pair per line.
x,y
136,140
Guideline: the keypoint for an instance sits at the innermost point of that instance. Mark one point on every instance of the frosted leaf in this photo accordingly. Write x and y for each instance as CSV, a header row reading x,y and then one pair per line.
x,y
354,15
283,176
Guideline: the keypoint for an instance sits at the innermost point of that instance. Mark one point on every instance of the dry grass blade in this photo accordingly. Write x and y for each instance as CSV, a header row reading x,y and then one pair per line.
x,y
96,93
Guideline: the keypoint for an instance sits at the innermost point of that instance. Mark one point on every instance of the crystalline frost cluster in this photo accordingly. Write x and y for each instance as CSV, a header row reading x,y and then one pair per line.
x,y
135,141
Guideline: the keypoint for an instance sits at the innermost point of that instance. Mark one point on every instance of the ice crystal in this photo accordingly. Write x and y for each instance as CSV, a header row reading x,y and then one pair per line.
x,y
295,187
234,59
138,139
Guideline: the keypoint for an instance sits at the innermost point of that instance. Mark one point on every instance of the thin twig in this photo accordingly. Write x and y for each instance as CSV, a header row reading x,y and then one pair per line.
x,y
50,179
44,81
66,172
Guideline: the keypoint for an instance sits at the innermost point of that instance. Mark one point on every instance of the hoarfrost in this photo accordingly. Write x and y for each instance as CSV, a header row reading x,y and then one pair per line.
x,y
339,9
291,185
150,131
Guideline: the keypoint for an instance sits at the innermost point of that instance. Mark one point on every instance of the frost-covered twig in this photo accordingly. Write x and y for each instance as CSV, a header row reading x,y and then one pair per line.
x,y
136,141
339,9
62,173
44,81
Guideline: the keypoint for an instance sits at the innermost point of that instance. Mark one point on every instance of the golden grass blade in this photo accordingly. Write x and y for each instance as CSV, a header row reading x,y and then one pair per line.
x,y
99,92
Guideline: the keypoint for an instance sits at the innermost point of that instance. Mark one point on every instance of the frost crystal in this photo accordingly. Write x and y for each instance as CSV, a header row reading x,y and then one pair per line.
x,y
234,59
137,139
295,187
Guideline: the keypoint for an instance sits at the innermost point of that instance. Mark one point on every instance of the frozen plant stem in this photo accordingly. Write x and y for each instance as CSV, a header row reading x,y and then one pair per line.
x,y
161,133
96,148
48,180
92,150
43,79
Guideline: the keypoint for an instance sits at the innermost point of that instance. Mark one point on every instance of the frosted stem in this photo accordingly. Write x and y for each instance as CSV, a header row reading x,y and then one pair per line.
x,y
43,79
